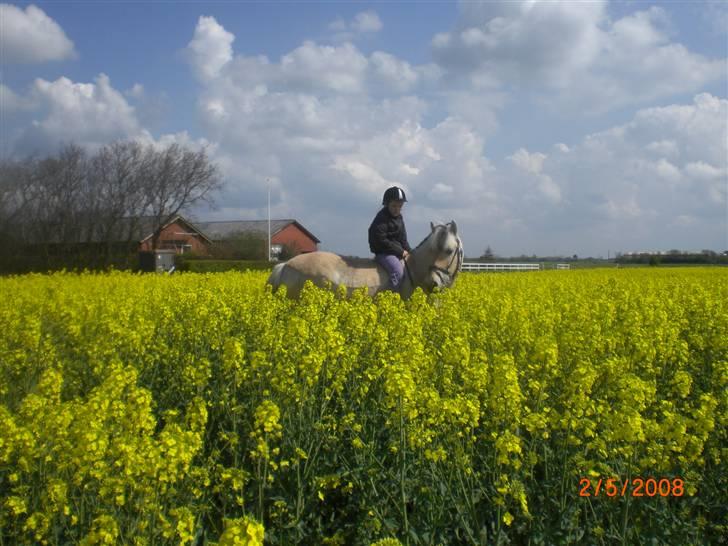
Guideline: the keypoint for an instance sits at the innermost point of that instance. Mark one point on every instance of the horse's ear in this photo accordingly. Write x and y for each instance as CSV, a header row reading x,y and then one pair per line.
x,y
453,227
432,226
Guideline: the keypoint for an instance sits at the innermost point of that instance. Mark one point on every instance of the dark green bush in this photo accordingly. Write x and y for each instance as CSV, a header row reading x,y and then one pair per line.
x,y
218,266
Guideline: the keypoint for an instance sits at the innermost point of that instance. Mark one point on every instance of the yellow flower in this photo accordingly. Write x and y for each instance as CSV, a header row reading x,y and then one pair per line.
x,y
16,505
242,532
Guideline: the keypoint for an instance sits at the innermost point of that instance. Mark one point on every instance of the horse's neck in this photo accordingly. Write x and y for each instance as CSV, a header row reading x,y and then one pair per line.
x,y
418,264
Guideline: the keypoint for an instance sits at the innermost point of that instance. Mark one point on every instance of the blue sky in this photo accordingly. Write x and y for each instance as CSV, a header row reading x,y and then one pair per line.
x,y
541,127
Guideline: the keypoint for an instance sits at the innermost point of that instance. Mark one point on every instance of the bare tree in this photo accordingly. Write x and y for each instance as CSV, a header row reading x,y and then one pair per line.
x,y
90,205
40,198
14,176
488,254
117,197
176,179
52,197
65,186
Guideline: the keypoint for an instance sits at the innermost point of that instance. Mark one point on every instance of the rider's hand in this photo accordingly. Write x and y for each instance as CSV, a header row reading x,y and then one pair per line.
x,y
404,254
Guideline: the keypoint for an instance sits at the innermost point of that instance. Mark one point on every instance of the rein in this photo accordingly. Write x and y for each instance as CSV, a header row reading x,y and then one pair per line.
x,y
444,271
409,272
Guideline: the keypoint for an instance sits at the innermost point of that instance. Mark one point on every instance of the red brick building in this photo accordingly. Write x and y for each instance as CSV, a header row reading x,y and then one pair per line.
x,y
283,232
178,235
184,236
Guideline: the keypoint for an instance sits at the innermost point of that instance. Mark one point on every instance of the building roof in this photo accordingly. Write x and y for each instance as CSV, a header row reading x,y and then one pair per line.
x,y
222,230
147,225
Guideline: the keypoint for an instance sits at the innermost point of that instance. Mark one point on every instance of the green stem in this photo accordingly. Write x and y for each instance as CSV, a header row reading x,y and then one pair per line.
x,y
403,471
625,514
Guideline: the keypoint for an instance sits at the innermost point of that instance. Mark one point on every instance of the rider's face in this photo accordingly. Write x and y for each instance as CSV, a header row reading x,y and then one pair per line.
x,y
395,207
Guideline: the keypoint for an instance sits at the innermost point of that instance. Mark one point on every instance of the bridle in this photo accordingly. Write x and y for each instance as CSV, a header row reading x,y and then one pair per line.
x,y
444,272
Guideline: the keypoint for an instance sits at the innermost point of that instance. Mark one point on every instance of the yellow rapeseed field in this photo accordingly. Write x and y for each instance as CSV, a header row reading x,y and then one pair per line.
x,y
560,407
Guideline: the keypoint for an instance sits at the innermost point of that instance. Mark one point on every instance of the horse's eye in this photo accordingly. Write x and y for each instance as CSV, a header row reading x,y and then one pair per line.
x,y
448,251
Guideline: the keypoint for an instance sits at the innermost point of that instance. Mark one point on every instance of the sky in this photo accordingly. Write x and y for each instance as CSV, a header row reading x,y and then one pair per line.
x,y
540,127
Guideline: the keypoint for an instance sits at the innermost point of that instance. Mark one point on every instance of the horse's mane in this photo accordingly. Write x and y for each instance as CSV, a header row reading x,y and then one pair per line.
x,y
437,228
459,252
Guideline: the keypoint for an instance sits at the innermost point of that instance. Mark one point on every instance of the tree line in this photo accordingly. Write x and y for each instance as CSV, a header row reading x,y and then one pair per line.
x,y
674,256
77,208
704,257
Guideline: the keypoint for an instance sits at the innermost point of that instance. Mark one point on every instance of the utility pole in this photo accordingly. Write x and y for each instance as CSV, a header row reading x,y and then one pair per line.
x,y
268,181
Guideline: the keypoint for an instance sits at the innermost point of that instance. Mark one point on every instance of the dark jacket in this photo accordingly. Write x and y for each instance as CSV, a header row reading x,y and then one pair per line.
x,y
387,234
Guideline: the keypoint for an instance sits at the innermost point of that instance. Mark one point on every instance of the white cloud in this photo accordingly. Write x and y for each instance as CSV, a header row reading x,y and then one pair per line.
x,y
640,64
311,125
666,170
210,48
702,126
365,175
716,15
480,110
136,91
714,180
181,138
88,114
684,220
441,191
622,209
618,192
529,162
330,127
339,25
396,74
441,41
703,171
365,22
582,59
311,66
665,148
531,40
31,36
533,163
408,169
11,102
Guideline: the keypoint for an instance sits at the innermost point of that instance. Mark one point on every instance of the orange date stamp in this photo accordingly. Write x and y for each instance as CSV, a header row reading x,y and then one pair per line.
x,y
634,487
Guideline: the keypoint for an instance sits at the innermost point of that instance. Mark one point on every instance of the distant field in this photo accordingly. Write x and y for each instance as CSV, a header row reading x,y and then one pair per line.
x,y
552,407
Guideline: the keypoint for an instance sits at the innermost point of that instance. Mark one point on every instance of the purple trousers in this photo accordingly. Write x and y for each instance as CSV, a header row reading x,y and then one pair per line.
x,y
393,265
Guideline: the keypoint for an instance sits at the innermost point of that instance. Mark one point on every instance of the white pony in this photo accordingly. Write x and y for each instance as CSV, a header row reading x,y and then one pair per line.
x,y
434,263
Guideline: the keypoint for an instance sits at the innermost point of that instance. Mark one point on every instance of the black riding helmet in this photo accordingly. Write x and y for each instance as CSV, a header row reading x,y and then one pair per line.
x,y
393,194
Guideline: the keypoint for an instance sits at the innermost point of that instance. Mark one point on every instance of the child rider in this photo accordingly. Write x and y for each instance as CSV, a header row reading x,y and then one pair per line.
x,y
388,236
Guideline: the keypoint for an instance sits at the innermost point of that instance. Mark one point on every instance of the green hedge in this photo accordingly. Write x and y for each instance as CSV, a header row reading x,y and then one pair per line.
x,y
217,266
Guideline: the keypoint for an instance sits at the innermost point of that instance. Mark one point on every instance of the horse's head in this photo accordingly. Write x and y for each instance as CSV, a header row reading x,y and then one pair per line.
x,y
447,249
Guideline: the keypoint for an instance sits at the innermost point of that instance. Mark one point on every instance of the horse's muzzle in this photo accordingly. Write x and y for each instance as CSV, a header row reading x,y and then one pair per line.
x,y
440,277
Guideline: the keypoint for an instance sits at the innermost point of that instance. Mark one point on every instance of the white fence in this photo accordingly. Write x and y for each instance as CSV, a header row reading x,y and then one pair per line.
x,y
473,266
563,266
